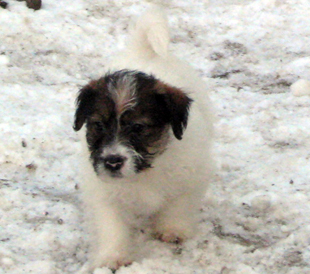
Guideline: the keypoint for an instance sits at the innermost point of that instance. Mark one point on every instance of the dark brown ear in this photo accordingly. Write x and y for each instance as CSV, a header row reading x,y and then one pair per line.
x,y
84,106
178,104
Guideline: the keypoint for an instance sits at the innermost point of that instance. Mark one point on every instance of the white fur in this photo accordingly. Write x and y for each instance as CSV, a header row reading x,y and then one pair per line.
x,y
124,94
171,192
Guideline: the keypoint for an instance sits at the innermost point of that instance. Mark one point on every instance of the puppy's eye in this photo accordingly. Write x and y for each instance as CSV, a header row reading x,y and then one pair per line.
x,y
99,126
138,128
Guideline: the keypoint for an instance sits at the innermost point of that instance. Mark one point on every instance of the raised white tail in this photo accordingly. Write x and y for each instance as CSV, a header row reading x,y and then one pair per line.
x,y
151,33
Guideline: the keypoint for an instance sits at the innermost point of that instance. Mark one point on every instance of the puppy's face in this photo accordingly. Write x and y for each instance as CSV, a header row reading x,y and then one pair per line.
x,y
128,118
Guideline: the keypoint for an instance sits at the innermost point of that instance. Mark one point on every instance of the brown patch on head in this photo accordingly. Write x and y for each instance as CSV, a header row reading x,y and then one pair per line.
x,y
178,104
93,101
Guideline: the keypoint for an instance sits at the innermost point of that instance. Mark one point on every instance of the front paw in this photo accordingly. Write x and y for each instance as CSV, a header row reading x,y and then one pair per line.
x,y
176,232
170,237
113,262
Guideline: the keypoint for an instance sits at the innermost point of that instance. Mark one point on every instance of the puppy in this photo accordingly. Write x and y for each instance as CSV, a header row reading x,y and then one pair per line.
x,y
146,130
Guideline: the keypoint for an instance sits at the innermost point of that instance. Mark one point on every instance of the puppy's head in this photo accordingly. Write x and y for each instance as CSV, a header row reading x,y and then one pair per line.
x,y
128,117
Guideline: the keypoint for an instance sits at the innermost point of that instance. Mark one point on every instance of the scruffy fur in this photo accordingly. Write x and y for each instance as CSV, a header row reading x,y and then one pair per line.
x,y
146,130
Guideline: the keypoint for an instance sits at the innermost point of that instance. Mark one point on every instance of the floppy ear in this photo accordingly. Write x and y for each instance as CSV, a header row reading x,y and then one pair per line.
x,y
84,106
178,104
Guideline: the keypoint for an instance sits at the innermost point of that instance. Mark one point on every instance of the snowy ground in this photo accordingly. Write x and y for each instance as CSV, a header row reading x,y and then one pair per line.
x,y
255,218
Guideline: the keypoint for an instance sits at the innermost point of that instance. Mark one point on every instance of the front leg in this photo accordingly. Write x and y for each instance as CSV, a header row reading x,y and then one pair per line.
x,y
111,239
177,221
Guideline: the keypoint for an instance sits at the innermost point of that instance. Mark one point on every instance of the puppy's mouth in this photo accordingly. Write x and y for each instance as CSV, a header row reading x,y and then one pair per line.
x,y
115,175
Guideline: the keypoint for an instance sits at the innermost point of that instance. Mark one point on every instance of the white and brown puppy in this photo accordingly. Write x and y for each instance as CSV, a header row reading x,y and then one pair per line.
x,y
146,144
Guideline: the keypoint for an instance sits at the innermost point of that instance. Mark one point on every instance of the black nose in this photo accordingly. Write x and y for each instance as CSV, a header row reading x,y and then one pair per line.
x,y
114,162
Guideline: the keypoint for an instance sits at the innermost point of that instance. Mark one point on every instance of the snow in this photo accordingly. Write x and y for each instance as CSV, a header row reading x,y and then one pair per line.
x,y
255,218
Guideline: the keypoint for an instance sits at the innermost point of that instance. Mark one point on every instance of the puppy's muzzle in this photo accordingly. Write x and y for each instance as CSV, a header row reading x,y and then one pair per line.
x,y
113,162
